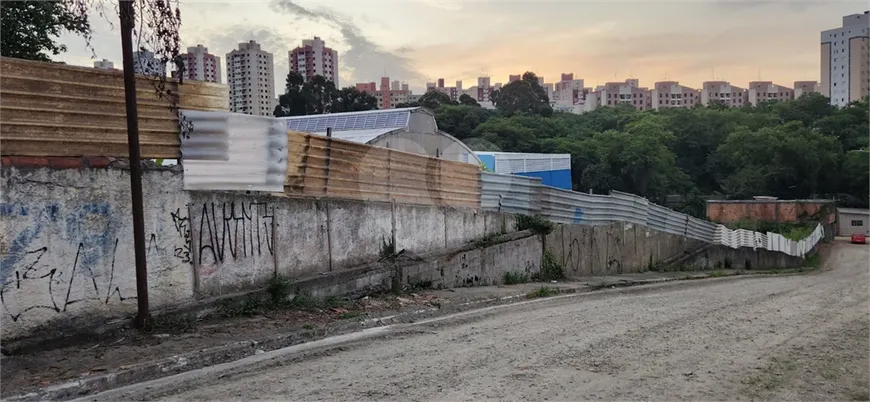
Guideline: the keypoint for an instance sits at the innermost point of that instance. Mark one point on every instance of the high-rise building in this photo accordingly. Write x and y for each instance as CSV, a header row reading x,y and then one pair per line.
x,y
200,65
670,94
314,58
805,87
251,78
104,64
846,61
722,91
765,91
145,63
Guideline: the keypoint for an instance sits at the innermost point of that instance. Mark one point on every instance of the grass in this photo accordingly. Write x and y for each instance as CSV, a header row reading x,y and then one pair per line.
x,y
536,223
775,375
543,291
348,315
388,249
860,396
813,260
514,278
718,274
488,239
792,231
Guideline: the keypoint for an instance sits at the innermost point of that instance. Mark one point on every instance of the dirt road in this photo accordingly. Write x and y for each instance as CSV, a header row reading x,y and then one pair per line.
x,y
783,337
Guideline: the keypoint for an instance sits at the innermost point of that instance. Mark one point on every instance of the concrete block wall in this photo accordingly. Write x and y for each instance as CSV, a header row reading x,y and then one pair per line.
x,y
67,242
616,248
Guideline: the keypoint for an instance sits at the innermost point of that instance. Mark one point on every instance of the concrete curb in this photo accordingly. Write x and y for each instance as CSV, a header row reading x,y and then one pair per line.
x,y
245,350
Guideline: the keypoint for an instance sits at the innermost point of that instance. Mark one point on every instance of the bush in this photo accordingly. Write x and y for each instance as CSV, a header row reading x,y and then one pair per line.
x,y
513,278
551,270
536,223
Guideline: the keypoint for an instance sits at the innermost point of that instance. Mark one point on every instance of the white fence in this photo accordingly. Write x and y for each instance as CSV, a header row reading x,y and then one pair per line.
x,y
523,195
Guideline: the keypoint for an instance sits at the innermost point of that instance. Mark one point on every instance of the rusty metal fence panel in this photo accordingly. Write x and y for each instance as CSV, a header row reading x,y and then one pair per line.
x,y
49,109
320,166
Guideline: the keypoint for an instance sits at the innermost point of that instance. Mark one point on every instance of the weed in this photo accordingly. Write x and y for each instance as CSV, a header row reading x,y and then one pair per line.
x,y
488,239
388,248
829,371
718,265
813,260
513,278
308,327
791,231
348,315
171,323
860,396
337,302
249,306
536,223
727,263
543,291
421,285
718,274
304,301
551,270
278,290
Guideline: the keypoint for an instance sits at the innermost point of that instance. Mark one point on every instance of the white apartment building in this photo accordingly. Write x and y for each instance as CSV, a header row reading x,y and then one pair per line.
x,y
314,58
763,91
723,91
104,64
845,60
145,63
620,93
251,78
670,94
200,65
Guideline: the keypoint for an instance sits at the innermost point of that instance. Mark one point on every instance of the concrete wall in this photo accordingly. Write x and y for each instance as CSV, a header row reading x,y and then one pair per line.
x,y
721,257
617,248
67,242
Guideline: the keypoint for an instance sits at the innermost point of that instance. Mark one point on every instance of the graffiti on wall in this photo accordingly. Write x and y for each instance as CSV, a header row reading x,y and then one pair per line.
x,y
181,222
234,230
42,271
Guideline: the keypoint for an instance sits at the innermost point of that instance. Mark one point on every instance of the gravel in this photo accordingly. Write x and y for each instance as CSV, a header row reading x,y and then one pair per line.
x,y
802,337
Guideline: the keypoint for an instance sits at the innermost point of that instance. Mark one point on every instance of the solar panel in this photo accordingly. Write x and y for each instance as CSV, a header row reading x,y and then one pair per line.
x,y
369,120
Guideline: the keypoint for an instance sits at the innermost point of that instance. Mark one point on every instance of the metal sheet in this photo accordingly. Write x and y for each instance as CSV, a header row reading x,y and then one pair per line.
x,y
233,151
510,193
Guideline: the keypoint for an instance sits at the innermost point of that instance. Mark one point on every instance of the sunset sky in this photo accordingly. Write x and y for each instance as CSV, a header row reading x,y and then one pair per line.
x,y
422,40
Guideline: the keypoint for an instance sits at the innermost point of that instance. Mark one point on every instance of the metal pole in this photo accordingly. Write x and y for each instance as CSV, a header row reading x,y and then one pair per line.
x,y
127,21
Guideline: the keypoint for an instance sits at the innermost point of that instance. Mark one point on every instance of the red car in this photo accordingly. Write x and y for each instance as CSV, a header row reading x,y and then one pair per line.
x,y
859,238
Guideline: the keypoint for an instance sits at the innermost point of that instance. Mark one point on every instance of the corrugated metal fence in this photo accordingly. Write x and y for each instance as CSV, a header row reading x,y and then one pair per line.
x,y
514,194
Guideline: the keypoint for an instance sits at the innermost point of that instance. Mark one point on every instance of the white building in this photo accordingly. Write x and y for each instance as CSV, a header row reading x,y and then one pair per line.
x,y
200,65
724,92
145,63
104,64
670,94
845,60
251,78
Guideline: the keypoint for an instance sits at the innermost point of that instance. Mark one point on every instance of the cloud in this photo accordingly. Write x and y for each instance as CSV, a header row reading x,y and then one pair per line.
x,y
363,60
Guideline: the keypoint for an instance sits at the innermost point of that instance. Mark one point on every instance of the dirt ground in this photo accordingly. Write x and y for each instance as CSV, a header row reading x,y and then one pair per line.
x,y
802,337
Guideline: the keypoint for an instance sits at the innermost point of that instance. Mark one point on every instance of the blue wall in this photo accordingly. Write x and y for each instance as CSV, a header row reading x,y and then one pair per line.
x,y
488,161
553,178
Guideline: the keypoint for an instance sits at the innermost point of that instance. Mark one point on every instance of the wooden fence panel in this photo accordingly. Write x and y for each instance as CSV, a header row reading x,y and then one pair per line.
x,y
328,167
49,109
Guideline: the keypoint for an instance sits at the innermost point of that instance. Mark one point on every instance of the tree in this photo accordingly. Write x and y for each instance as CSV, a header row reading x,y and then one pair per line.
x,y
350,99
28,28
523,96
467,100
461,120
319,96
433,99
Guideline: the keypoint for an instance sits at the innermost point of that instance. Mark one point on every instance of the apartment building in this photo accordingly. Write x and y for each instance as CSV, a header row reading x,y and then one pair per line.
x,y
104,64
805,87
763,91
670,94
251,78
389,94
314,58
145,63
723,91
200,65
845,60
453,92
620,93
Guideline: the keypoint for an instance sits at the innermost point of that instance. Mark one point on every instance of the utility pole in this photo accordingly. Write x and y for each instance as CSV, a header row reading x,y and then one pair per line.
x,y
128,19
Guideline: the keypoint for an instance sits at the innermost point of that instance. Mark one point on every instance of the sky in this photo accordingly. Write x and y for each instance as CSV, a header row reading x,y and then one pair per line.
x,y
418,41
